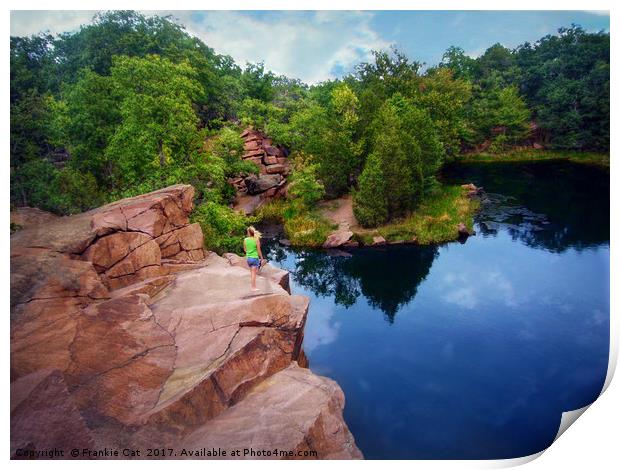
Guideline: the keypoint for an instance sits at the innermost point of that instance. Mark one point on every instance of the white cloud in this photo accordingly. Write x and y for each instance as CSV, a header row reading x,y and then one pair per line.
x,y
305,45
27,22
321,330
464,297
493,285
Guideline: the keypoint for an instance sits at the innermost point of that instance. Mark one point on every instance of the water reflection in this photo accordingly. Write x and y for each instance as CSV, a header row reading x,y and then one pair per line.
x,y
468,351
388,278
549,205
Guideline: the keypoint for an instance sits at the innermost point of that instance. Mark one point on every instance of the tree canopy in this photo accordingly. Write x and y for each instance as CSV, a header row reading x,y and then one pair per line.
x,y
131,103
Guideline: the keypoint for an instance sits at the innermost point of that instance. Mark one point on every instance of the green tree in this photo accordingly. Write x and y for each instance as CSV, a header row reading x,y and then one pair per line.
x,y
499,114
328,134
305,189
462,66
257,83
84,122
158,123
565,80
370,200
446,99
406,154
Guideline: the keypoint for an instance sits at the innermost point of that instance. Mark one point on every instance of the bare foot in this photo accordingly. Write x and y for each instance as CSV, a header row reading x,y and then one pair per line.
x,y
254,289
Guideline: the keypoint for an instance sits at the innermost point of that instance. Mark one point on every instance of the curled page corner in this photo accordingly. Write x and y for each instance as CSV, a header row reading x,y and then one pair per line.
x,y
568,418
517,461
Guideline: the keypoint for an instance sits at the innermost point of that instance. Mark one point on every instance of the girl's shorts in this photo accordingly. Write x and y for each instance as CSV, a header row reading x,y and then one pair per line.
x,y
253,262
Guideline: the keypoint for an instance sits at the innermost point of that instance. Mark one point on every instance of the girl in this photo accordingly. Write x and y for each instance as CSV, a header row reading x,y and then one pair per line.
x,y
251,246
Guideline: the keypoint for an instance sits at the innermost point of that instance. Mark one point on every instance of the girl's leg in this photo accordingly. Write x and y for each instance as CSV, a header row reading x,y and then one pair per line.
x,y
253,277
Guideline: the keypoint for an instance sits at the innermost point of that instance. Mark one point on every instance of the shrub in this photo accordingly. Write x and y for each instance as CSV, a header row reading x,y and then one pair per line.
x,y
38,183
307,230
223,228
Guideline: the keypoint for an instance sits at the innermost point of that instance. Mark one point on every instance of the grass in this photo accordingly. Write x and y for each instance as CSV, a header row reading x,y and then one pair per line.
x,y
434,221
307,229
526,155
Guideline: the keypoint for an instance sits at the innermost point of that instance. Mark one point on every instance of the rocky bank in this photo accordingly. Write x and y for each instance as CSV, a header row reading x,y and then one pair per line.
x,y
126,334
273,167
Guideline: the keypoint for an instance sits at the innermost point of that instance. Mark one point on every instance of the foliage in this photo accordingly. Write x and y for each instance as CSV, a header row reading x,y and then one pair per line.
x,y
565,79
500,115
130,103
370,201
327,134
406,154
256,113
257,83
68,191
434,221
158,124
84,121
223,228
228,146
446,98
304,188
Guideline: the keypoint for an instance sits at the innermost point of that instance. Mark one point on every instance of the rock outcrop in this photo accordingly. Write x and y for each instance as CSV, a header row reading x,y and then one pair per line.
x,y
273,166
338,238
126,334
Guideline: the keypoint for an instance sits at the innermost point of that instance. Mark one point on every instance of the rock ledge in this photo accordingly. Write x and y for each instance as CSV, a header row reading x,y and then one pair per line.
x,y
126,334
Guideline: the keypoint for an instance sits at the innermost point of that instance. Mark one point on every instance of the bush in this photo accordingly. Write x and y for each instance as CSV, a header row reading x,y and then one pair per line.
x,y
307,230
275,211
370,201
38,183
305,190
223,228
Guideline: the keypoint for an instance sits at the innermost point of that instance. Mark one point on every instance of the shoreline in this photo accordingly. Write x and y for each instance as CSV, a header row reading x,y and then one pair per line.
x,y
443,217
597,159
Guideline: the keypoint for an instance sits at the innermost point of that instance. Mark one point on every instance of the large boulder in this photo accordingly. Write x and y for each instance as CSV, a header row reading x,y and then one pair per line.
x,y
153,214
25,217
305,416
338,238
259,184
125,336
274,151
277,168
44,416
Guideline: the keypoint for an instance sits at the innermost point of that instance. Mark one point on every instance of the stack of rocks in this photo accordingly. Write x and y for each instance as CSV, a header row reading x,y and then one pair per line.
x,y
274,167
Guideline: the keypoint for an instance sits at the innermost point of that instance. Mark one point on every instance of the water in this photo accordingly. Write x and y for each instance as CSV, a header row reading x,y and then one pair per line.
x,y
469,351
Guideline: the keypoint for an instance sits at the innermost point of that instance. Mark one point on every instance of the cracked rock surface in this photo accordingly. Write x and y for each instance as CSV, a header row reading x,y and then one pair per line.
x,y
125,333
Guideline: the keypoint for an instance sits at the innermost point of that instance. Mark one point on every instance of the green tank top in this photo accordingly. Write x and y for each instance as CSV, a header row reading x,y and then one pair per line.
x,y
250,248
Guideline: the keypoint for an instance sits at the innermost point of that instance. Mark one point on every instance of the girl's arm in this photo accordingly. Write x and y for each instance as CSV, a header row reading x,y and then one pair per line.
x,y
260,252
244,249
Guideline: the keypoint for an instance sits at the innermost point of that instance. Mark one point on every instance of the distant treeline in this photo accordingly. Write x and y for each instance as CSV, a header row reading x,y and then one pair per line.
x,y
129,104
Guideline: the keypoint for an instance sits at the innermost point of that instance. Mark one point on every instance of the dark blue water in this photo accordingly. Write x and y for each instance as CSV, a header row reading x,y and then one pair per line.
x,y
469,351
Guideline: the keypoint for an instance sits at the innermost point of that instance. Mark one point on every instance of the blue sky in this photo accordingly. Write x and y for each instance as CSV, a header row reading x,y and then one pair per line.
x,y
317,45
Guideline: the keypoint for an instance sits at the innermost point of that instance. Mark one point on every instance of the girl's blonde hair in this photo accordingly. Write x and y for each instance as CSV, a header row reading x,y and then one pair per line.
x,y
253,232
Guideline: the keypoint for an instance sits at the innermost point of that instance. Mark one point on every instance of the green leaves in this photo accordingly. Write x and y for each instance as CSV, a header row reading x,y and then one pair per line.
x,y
305,189
405,155
158,123
499,114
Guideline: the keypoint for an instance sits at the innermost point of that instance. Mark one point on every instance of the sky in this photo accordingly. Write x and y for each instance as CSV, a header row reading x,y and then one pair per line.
x,y
319,45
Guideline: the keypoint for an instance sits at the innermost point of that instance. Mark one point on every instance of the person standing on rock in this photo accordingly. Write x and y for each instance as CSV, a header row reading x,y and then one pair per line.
x,y
253,253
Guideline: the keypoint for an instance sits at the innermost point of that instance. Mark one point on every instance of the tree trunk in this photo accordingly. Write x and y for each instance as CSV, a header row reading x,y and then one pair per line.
x,y
162,157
